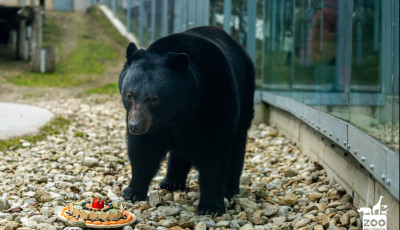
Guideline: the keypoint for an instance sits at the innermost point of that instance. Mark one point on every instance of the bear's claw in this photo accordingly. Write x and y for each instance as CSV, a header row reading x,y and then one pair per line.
x,y
210,211
131,194
172,186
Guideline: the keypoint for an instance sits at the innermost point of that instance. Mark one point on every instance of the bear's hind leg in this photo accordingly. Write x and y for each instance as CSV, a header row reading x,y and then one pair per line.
x,y
239,142
212,182
178,168
236,164
212,164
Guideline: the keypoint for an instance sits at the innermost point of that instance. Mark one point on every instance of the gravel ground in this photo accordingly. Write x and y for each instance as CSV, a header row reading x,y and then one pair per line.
x,y
280,187
388,133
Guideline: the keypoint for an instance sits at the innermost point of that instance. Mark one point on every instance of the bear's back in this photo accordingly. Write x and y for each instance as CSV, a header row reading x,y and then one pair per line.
x,y
211,49
230,48
190,42
241,66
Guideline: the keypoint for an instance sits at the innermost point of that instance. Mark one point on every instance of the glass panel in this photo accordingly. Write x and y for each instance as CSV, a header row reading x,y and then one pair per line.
x,y
278,44
159,18
238,21
335,69
134,18
395,84
216,13
374,86
326,29
369,112
121,11
145,22
164,18
305,54
365,58
259,42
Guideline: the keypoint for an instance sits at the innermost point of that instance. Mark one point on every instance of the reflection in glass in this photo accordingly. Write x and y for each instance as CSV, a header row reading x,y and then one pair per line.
x,y
366,72
336,56
278,36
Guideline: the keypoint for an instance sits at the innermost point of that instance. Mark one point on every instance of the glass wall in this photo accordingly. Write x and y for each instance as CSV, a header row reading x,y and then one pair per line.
x,y
338,56
149,20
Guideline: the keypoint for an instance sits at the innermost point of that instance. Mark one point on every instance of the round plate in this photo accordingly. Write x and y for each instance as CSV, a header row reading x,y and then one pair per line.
x,y
60,217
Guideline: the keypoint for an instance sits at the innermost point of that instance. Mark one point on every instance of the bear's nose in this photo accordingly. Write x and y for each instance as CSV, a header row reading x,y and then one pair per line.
x,y
134,127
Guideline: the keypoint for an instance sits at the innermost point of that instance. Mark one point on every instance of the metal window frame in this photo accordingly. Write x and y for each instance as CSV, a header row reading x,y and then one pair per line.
x,y
316,98
164,15
114,7
395,34
227,15
380,160
153,20
386,55
128,15
251,28
141,22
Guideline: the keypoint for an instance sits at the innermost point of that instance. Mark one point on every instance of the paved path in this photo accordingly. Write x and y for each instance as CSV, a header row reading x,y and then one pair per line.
x,y
19,119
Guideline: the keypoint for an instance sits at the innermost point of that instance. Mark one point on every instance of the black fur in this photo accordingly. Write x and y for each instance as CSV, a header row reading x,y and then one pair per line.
x,y
203,82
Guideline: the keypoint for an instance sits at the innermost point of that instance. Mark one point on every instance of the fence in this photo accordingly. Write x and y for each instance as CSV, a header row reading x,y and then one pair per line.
x,y
334,64
150,20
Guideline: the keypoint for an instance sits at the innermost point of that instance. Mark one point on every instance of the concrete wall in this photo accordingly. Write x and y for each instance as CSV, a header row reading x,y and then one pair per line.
x,y
15,2
21,2
48,6
339,165
258,113
81,5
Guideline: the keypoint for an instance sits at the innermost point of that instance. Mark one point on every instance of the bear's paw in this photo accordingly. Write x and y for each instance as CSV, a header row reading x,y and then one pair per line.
x,y
133,195
172,185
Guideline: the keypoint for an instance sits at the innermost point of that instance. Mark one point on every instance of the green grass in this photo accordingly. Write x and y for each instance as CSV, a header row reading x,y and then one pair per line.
x,y
80,66
56,126
52,35
85,62
79,134
109,89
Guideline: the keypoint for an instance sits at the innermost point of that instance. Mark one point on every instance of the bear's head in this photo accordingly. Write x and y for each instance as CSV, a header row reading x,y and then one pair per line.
x,y
155,88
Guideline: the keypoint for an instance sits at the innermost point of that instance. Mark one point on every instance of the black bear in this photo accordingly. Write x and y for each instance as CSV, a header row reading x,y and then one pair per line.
x,y
189,94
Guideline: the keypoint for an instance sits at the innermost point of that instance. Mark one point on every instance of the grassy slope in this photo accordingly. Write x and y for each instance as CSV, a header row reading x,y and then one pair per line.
x,y
78,68
111,88
96,13
82,65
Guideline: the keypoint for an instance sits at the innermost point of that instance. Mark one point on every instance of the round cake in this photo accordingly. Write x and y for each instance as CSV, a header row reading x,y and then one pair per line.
x,y
97,214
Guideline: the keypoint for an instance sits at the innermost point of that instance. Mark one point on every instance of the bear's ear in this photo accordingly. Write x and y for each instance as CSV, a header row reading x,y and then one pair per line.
x,y
179,62
130,50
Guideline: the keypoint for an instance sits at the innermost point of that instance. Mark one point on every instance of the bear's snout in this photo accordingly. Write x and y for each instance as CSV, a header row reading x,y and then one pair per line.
x,y
139,120
136,128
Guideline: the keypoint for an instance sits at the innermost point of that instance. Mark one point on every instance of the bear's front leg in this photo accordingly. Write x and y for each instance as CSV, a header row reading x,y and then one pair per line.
x,y
178,168
145,156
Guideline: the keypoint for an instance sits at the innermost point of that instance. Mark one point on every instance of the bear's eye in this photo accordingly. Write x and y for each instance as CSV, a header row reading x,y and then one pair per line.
x,y
129,97
153,100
